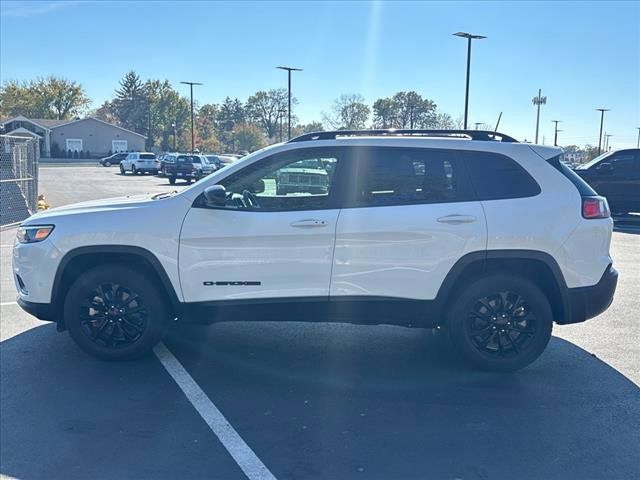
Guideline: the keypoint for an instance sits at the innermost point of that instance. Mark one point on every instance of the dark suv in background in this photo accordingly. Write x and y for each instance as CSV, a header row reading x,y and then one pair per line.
x,y
616,176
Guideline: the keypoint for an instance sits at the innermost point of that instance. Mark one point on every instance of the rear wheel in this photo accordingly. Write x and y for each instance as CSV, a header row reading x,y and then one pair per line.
x,y
107,163
172,180
115,313
500,322
134,170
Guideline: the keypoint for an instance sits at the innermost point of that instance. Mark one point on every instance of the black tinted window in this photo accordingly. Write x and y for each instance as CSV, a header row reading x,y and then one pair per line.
x,y
623,162
496,176
403,176
148,156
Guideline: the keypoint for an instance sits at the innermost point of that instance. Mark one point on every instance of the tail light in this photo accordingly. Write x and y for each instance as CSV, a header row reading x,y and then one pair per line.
x,y
595,207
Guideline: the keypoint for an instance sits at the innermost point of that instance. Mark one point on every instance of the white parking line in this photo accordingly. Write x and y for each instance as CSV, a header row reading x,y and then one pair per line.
x,y
4,304
246,459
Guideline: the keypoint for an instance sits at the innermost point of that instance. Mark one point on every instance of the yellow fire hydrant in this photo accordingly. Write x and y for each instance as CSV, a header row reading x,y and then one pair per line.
x,y
42,204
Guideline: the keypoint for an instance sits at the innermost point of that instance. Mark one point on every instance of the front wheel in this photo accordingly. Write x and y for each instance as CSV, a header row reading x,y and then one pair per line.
x,y
106,164
500,322
122,170
114,312
172,180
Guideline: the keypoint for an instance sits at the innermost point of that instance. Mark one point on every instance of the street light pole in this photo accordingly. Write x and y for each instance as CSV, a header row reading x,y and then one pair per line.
x,y
555,133
638,144
289,70
174,137
477,124
469,37
606,141
601,110
539,100
191,84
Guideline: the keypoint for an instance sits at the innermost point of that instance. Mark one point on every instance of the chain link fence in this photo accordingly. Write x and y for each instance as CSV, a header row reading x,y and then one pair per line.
x,y
19,158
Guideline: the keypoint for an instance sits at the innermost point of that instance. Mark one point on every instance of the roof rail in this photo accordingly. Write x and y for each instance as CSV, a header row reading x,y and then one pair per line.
x,y
482,135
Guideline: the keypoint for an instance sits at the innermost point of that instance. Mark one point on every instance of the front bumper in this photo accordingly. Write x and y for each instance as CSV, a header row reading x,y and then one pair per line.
x,y
42,311
588,302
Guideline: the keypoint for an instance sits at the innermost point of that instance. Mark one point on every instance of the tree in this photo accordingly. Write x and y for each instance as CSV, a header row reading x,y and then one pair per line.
x,y
266,107
307,128
249,137
348,112
131,105
67,99
404,110
50,97
384,113
106,112
443,121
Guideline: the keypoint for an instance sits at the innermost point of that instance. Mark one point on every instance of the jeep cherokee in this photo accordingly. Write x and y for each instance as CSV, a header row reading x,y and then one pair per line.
x,y
491,239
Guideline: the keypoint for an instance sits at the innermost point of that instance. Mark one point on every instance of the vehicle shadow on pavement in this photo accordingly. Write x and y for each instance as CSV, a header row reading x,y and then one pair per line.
x,y
346,401
65,415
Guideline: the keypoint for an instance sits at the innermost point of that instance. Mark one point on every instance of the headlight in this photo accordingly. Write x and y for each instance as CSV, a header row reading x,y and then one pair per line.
x,y
35,233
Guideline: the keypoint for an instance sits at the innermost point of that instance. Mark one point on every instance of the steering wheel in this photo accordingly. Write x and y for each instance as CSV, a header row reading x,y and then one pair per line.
x,y
249,199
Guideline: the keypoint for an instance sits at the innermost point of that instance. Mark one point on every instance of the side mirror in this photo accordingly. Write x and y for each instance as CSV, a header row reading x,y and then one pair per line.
x,y
215,196
605,167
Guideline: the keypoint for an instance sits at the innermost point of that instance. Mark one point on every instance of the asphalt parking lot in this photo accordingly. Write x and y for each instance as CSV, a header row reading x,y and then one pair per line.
x,y
310,401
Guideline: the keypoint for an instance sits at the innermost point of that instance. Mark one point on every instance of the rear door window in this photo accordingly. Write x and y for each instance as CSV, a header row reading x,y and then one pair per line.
x,y
408,176
495,176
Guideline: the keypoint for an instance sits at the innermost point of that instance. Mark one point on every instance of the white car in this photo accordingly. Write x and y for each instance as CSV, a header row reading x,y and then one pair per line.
x,y
139,163
491,239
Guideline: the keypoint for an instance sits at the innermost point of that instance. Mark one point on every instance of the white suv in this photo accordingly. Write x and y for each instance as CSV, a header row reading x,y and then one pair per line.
x,y
140,162
491,239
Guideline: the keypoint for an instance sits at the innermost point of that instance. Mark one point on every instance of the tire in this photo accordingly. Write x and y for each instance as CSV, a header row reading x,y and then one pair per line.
x,y
172,180
106,164
115,338
188,181
163,172
122,170
490,341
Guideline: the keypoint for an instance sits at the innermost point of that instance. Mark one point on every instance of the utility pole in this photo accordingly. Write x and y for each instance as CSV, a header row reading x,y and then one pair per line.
x,y
281,120
601,110
555,134
638,144
191,84
149,133
539,100
469,37
289,70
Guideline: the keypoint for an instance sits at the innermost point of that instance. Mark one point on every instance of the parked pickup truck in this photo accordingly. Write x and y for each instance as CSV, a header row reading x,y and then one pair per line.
x,y
181,166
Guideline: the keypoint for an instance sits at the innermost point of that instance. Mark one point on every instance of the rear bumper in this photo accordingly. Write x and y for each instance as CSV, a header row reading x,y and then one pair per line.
x,y
588,302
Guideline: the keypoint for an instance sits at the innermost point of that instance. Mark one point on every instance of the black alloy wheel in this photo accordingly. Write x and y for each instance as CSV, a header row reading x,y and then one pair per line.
x,y
114,316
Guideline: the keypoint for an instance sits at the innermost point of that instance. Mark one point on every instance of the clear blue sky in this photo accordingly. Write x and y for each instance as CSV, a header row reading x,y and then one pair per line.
x,y
582,54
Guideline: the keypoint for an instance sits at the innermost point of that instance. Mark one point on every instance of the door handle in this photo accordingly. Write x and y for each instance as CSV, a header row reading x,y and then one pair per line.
x,y
309,223
456,219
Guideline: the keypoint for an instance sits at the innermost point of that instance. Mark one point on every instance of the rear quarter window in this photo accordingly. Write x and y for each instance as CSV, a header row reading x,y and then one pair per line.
x,y
496,177
582,186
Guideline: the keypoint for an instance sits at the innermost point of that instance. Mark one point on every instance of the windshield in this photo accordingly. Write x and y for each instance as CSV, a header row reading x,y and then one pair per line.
x,y
594,161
